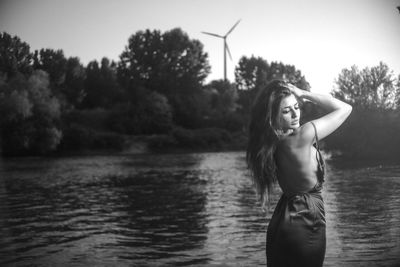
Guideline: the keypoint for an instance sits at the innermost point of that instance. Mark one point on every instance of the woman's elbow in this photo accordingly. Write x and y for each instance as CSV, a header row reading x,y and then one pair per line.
x,y
347,109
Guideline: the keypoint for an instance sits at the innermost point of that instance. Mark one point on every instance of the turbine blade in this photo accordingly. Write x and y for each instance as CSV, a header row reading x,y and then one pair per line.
x,y
213,34
232,28
227,49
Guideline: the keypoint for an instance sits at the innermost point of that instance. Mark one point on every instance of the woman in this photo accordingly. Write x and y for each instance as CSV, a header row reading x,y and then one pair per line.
x,y
282,150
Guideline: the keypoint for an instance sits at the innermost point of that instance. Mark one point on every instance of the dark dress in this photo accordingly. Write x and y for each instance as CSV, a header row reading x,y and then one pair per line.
x,y
296,234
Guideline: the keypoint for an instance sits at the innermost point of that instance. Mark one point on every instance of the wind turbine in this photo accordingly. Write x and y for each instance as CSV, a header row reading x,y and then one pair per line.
x,y
226,48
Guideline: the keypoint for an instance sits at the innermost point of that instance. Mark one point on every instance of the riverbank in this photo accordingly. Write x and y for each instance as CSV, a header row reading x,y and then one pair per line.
x,y
87,141
178,140
185,141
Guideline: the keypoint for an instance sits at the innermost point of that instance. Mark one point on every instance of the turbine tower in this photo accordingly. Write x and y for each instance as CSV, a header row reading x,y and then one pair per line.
x,y
226,48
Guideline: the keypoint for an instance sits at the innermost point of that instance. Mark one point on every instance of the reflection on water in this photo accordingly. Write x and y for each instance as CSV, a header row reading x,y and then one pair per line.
x,y
179,210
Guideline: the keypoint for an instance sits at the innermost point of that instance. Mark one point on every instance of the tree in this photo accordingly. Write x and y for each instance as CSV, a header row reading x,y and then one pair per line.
x,y
253,73
222,97
74,85
371,131
15,56
186,62
141,59
169,63
221,108
30,115
370,88
102,86
67,75
398,91
54,63
152,115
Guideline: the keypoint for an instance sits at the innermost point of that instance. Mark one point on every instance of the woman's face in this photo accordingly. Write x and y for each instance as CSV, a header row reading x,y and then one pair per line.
x,y
289,114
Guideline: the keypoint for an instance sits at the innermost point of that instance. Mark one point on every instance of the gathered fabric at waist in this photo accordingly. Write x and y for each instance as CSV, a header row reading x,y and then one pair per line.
x,y
309,206
317,189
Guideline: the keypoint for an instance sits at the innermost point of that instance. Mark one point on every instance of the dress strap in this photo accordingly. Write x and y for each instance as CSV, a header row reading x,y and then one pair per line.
x,y
320,159
316,134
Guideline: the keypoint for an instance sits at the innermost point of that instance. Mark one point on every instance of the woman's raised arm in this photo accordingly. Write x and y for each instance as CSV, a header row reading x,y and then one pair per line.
x,y
337,111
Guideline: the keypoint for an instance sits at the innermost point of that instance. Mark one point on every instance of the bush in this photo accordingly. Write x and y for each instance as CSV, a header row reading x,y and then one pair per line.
x,y
151,115
108,140
199,139
77,137
232,121
368,134
160,143
91,118
29,115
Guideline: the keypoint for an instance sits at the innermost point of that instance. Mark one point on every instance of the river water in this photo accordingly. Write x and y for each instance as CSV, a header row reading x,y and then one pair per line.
x,y
180,210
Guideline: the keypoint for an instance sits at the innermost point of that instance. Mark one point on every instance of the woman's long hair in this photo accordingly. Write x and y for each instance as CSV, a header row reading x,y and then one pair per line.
x,y
263,137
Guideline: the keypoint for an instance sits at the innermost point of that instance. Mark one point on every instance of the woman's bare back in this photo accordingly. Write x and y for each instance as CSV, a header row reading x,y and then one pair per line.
x,y
297,168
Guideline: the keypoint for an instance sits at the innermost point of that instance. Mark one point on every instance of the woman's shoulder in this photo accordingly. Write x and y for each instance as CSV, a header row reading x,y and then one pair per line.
x,y
301,137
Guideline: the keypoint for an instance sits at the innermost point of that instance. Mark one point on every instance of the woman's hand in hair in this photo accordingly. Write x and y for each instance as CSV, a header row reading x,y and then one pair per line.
x,y
297,92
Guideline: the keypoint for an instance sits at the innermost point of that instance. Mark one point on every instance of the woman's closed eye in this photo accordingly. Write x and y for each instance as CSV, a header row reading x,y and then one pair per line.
x,y
287,110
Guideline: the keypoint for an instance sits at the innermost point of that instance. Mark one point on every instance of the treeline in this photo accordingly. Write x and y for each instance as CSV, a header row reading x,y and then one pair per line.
x,y
156,92
373,127
50,103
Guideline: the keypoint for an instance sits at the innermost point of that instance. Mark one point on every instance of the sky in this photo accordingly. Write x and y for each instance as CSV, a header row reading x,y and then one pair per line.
x,y
318,37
